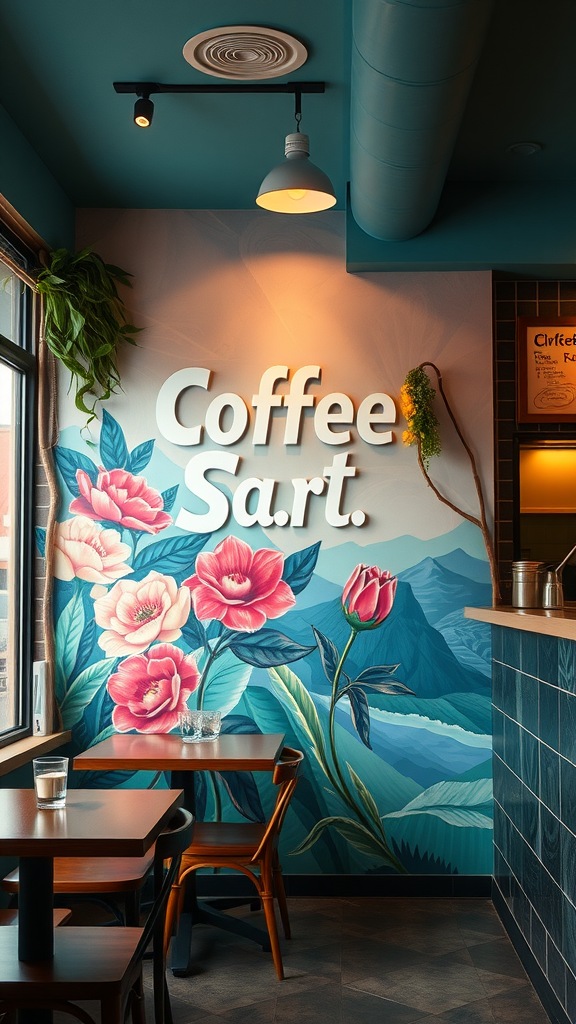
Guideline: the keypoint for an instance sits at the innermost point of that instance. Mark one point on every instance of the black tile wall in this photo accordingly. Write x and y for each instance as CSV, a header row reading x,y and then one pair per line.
x,y
534,724
513,299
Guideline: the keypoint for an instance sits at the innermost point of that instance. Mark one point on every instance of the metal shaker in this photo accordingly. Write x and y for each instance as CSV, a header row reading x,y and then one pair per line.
x,y
527,584
553,592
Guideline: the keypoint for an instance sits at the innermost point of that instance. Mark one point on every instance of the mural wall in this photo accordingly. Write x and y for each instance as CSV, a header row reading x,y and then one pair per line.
x,y
348,638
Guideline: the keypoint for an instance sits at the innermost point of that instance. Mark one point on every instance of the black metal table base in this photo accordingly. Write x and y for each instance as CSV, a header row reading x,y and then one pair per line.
x,y
36,921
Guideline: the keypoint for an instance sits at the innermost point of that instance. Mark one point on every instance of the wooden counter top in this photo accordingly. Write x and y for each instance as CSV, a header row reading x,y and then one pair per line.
x,y
560,623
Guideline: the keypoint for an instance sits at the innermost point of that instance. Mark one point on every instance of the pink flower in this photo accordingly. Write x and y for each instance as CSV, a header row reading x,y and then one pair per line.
x,y
135,613
121,498
150,689
89,552
368,596
239,586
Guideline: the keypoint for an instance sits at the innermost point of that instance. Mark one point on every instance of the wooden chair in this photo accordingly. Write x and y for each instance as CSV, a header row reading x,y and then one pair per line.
x,y
249,848
98,877
99,963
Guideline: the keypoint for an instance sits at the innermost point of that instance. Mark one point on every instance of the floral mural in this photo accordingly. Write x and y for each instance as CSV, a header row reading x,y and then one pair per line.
x,y
379,679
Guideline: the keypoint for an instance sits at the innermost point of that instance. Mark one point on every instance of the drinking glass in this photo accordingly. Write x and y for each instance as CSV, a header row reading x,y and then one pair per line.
x,y
199,726
190,730
208,724
50,782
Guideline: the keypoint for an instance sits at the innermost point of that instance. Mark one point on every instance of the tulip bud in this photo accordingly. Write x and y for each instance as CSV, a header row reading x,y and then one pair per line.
x,y
368,596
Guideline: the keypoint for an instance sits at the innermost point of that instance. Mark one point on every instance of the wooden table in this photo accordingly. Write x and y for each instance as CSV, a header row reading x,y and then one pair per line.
x,y
254,752
94,823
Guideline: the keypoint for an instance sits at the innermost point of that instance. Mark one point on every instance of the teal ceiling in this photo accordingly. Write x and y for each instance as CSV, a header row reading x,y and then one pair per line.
x,y
58,61
57,64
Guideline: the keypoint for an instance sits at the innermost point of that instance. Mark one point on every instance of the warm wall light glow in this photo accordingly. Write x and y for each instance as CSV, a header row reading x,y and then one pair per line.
x,y
142,122
296,201
548,480
143,112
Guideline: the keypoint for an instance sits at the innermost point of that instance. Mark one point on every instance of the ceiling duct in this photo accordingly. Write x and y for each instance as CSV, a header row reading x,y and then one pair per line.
x,y
413,62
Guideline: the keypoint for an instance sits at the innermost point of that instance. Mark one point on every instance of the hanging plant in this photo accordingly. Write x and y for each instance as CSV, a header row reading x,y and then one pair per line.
x,y
84,322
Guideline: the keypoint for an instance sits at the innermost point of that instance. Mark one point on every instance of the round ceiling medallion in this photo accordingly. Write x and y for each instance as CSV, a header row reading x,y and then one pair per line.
x,y
245,52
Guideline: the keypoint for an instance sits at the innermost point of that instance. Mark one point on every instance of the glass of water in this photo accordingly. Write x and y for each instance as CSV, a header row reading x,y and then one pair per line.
x,y
199,726
50,782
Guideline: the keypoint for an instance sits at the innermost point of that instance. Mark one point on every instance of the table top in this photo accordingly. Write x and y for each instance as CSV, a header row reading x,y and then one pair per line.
x,y
95,822
166,752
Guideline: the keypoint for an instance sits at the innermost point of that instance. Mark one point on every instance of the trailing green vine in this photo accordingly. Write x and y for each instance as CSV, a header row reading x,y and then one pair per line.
x,y
84,322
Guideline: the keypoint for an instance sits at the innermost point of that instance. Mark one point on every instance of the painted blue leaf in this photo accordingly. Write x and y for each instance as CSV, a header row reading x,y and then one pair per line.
x,y
68,462
298,568
267,648
173,556
239,724
82,689
169,497
113,449
360,713
225,681
41,541
102,780
194,633
328,654
139,457
243,793
69,628
88,638
96,717
381,679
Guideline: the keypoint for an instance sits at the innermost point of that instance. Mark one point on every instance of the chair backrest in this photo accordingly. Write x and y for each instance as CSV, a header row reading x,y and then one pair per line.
x,y
170,846
285,777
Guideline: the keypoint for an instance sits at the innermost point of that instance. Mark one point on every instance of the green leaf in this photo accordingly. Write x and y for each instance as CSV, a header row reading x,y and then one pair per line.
x,y
69,629
366,797
296,698
225,683
82,690
353,832
463,804
106,733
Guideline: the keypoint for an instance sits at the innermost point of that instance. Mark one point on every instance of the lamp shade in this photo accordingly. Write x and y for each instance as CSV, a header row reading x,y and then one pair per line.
x,y
296,185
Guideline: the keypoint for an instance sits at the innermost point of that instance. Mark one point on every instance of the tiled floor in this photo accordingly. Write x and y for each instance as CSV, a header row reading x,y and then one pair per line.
x,y
360,961
364,961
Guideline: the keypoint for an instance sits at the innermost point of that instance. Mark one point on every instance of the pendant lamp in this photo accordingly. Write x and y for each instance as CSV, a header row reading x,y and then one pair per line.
x,y
296,185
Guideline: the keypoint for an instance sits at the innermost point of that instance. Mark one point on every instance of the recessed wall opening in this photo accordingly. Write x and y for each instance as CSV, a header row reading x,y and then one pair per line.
x,y
546,527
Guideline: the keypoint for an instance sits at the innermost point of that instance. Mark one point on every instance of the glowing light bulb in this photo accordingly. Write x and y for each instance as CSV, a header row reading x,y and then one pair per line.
x,y
142,122
297,193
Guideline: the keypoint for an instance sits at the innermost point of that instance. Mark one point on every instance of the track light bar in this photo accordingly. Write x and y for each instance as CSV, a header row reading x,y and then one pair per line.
x,y
147,88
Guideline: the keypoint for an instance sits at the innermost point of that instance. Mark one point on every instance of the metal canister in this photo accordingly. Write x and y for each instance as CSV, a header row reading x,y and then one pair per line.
x,y
527,579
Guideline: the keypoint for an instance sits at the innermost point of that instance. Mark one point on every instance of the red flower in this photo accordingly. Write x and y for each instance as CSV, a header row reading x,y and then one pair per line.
x,y
150,689
119,497
368,596
239,586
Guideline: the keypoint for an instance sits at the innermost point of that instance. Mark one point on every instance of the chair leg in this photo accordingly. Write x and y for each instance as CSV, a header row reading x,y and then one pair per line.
x,y
268,904
112,1009
281,897
137,1002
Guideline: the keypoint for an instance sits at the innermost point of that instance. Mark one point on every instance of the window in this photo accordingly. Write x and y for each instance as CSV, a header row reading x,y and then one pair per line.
x,y
17,429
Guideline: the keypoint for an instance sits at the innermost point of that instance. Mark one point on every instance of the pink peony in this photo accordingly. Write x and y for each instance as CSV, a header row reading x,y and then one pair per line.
x,y
239,586
135,613
368,596
89,552
121,498
150,689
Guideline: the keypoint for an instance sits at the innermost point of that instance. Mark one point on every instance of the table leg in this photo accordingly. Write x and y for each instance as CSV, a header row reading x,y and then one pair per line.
x,y
36,921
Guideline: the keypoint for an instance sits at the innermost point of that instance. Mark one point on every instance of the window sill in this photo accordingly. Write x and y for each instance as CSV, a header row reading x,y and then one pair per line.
x,y
16,754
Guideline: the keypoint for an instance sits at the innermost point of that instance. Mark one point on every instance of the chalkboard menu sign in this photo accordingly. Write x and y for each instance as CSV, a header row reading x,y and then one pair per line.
x,y
546,349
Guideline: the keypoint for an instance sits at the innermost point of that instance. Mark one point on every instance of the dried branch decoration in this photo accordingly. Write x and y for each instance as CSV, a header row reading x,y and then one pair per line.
x,y
416,398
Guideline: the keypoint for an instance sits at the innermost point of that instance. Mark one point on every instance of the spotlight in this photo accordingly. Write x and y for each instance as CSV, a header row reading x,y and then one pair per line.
x,y
143,112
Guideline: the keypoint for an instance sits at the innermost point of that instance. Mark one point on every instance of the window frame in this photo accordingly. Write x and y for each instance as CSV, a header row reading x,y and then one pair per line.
x,y
22,359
